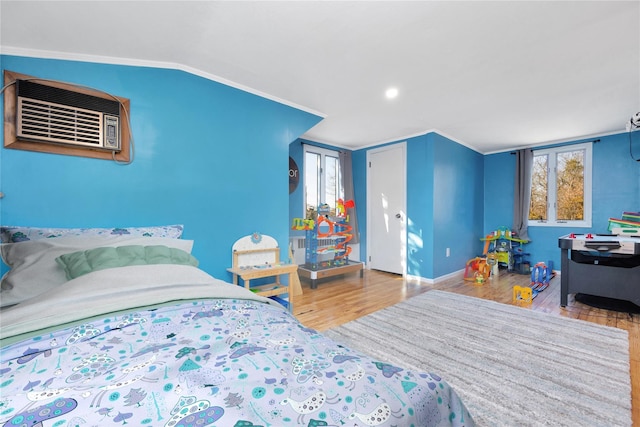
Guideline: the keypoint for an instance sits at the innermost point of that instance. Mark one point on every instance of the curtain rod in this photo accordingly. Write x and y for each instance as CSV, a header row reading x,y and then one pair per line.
x,y
562,145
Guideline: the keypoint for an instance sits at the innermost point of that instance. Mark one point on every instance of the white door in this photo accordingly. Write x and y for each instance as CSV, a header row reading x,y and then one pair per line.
x,y
386,207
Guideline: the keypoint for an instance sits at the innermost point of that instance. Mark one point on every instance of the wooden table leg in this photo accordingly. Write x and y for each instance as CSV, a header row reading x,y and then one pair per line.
x,y
290,292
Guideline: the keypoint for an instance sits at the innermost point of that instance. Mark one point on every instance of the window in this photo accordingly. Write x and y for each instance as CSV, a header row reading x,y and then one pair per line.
x,y
322,178
561,186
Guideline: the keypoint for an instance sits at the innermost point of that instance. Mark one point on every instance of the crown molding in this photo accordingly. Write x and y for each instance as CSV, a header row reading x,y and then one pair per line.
x,y
66,56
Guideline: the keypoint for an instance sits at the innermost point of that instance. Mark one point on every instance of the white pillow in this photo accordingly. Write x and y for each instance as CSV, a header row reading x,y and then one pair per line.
x,y
33,266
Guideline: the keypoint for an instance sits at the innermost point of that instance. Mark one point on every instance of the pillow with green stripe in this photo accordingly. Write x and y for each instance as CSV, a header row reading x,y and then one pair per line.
x,y
76,264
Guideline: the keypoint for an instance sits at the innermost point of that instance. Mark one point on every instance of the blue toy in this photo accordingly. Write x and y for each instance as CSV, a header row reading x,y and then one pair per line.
x,y
540,277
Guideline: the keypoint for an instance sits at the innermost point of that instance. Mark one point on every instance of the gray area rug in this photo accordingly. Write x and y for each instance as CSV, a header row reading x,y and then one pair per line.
x,y
510,365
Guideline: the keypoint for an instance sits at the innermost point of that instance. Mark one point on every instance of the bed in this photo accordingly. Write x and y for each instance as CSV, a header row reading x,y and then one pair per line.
x,y
126,329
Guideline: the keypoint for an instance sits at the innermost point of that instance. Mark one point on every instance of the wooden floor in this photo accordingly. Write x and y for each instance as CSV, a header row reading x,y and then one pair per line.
x,y
348,297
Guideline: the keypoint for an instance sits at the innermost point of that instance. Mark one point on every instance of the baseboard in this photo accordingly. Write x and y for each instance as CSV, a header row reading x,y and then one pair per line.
x,y
423,280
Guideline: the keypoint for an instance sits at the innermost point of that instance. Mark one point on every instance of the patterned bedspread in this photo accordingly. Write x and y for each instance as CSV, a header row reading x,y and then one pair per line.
x,y
211,362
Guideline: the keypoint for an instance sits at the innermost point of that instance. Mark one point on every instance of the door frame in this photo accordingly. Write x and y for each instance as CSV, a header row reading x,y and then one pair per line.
x,y
403,146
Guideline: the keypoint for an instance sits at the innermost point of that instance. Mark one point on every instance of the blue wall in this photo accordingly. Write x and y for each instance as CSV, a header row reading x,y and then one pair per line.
x,y
420,206
444,205
296,199
359,170
458,200
616,188
207,155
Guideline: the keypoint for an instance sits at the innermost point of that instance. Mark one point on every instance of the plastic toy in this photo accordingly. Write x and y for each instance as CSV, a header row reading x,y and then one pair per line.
x,y
341,207
540,277
477,270
523,293
302,224
492,260
501,233
506,246
332,228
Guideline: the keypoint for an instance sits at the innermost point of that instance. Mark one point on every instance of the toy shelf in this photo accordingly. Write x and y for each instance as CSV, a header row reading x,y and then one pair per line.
x,y
327,246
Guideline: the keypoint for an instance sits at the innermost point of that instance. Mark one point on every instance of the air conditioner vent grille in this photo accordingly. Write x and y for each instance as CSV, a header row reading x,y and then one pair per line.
x,y
40,92
42,120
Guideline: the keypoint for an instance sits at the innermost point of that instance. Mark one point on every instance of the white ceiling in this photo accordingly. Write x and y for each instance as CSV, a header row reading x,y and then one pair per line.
x,y
492,75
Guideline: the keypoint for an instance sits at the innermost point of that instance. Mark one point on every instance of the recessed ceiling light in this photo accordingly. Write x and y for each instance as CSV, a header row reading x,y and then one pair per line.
x,y
391,93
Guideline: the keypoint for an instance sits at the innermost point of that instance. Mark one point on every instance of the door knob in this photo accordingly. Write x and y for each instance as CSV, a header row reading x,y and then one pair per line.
x,y
398,216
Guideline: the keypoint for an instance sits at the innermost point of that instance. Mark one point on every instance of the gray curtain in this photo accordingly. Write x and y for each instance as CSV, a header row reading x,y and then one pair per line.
x,y
347,183
522,192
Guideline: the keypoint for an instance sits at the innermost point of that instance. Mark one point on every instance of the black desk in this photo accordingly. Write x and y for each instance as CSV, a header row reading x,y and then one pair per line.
x,y
600,265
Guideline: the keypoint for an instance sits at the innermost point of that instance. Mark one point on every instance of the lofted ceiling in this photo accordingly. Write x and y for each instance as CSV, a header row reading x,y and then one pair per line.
x,y
492,75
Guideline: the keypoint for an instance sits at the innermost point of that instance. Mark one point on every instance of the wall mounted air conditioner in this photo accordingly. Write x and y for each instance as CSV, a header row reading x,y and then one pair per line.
x,y
58,116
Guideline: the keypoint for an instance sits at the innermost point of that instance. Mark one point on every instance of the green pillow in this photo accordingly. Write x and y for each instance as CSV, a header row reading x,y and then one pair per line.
x,y
76,264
